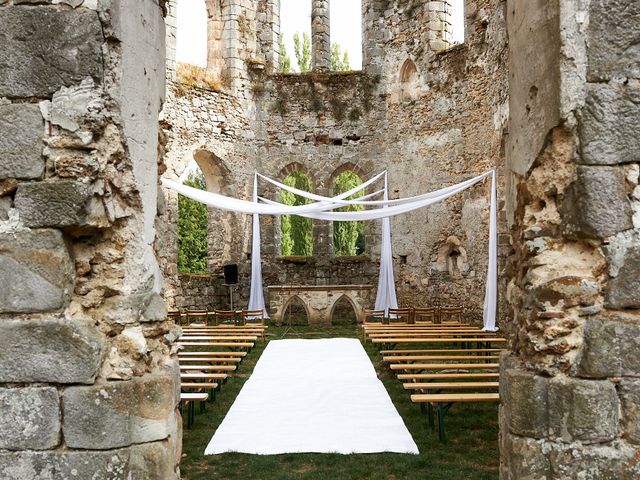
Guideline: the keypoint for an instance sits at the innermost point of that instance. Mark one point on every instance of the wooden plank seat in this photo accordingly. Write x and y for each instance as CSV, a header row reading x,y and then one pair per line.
x,y
209,368
443,402
209,360
203,376
200,386
444,366
221,338
189,399
457,334
476,339
420,326
447,376
229,354
443,351
453,385
425,358
194,343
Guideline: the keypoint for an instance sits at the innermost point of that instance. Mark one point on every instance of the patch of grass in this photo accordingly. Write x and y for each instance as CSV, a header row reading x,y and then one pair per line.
x,y
471,452
194,76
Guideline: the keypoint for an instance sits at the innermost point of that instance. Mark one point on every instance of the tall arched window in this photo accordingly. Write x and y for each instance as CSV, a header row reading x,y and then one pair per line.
x,y
348,237
296,232
192,227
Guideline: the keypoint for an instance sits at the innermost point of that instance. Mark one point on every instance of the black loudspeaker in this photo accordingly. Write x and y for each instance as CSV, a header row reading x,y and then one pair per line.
x,y
231,274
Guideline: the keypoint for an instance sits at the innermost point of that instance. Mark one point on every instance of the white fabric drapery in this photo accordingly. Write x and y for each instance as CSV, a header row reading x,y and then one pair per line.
x,y
322,207
256,294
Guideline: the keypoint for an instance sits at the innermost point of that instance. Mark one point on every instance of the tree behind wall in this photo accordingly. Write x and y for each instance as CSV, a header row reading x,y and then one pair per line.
x,y
192,229
285,60
296,231
348,237
339,61
302,50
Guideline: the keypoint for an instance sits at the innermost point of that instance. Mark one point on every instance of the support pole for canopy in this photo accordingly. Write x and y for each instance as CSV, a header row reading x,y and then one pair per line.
x,y
256,296
491,286
386,295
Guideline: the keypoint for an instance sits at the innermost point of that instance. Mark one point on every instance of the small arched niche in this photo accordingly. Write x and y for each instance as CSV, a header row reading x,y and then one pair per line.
x,y
409,81
452,257
295,312
343,312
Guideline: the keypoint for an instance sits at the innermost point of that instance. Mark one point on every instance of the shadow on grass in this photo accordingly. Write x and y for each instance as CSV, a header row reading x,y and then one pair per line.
x,y
471,451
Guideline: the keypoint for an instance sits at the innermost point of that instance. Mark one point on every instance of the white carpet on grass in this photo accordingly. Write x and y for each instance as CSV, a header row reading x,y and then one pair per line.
x,y
318,396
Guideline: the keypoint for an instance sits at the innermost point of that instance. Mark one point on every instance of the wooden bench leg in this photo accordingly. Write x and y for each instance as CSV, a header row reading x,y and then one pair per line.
x,y
442,410
430,412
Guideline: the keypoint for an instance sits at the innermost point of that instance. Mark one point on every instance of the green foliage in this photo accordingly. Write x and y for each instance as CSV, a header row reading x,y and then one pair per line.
x,y
285,60
302,50
192,229
339,61
348,237
297,232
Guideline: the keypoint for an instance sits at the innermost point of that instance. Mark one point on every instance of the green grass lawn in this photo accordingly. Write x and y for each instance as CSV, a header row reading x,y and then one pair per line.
x,y
471,450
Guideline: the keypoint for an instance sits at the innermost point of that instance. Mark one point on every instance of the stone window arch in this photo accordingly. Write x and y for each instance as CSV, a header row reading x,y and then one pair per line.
x,y
348,237
296,233
409,81
345,311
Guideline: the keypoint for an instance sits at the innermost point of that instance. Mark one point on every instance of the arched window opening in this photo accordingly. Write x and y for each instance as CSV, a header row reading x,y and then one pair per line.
x,y
343,313
192,227
348,237
295,313
409,81
296,231
346,35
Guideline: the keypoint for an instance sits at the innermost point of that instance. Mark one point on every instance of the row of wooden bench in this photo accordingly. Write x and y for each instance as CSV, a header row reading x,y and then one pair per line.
x,y
197,318
457,363
208,356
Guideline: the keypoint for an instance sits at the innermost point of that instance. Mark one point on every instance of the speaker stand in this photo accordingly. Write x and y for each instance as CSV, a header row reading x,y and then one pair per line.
x,y
230,287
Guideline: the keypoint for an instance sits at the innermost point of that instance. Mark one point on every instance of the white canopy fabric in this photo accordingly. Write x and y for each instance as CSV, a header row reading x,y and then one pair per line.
x,y
322,209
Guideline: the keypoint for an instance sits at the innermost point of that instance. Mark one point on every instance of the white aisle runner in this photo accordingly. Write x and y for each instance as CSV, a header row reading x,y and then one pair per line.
x,y
313,396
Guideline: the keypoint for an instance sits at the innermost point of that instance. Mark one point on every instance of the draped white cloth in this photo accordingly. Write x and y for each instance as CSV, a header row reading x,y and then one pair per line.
x,y
256,294
386,294
321,209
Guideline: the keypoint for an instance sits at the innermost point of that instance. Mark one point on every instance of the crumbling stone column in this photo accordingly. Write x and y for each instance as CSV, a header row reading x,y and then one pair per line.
x,y
320,35
439,24
570,390
88,384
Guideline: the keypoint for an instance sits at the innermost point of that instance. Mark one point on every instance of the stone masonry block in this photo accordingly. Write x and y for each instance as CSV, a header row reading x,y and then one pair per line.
x,y
527,458
613,461
54,204
624,289
611,348
613,38
46,48
630,397
525,400
30,418
36,271
118,414
140,462
597,204
608,129
583,410
49,350
21,129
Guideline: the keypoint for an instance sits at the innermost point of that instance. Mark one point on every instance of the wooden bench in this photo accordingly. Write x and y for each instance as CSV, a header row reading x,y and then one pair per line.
x,y
444,366
470,340
219,338
203,376
190,343
445,376
211,386
424,358
210,360
449,350
189,399
213,354
209,368
443,402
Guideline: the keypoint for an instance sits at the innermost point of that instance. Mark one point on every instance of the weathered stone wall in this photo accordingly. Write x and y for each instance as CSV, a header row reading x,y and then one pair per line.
x,y
88,388
570,391
201,292
446,128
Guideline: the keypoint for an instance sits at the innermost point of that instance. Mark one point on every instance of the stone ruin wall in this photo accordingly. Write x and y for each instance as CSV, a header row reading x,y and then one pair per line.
x,y
88,386
442,126
570,391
